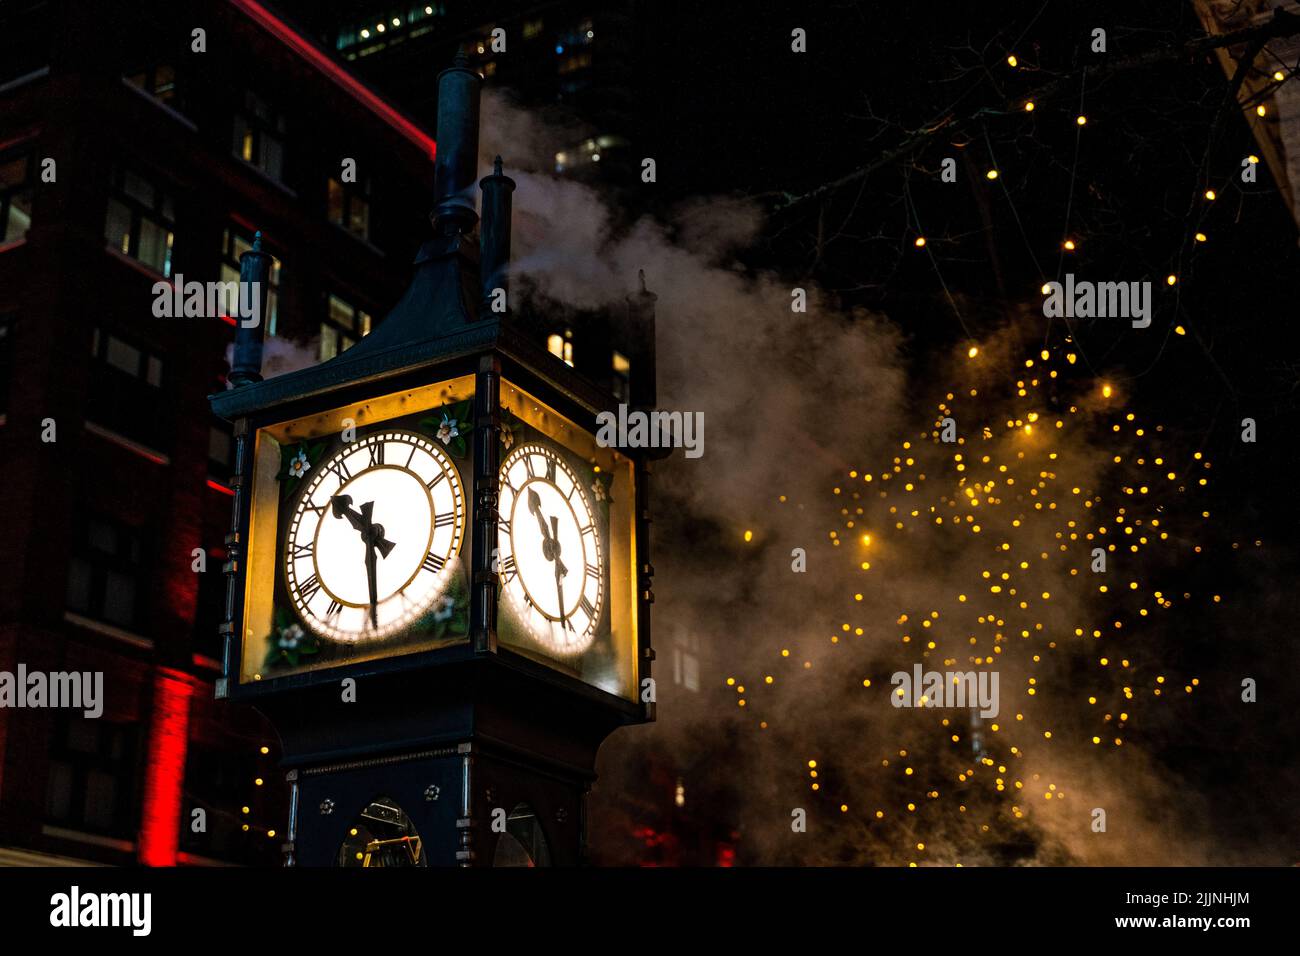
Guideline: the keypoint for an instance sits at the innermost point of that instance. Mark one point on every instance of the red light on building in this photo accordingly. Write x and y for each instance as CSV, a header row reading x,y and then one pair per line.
x,y
164,779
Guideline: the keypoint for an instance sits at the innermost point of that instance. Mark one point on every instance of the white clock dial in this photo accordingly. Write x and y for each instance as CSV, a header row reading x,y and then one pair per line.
x,y
374,536
549,556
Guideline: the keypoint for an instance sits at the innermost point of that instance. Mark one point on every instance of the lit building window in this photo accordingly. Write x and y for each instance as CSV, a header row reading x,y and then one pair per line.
x,y
234,244
572,64
342,329
259,136
141,221
561,346
16,178
159,82
622,369
349,206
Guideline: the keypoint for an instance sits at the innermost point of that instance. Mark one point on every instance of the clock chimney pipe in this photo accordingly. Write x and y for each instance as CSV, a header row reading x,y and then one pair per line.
x,y
494,238
250,328
456,167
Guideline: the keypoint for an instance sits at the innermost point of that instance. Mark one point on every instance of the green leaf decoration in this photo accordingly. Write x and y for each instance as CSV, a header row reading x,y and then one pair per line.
x,y
451,427
289,641
449,614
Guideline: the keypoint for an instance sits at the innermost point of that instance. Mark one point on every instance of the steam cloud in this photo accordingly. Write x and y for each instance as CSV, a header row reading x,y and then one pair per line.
x,y
794,402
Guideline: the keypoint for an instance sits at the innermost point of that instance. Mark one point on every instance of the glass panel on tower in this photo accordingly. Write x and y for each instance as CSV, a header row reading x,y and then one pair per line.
x,y
565,540
361,519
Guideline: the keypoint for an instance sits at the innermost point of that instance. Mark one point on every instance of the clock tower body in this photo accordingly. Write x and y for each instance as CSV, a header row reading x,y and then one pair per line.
x,y
441,674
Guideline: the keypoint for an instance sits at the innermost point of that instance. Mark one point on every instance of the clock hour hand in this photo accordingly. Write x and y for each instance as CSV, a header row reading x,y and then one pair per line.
x,y
535,506
550,536
371,533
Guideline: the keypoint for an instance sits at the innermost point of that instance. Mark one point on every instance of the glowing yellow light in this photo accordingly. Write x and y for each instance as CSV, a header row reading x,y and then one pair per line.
x,y
1029,106
1011,60
1260,110
920,241
1180,330
991,174
1200,237
1279,76
749,536
257,782
1047,287
266,750
1069,245
1170,279
1211,195
1252,159
270,833
1105,391
972,352
1081,120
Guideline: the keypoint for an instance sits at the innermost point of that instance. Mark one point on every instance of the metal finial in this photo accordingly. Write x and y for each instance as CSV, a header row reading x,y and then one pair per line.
x,y
257,240
640,273
461,58
496,166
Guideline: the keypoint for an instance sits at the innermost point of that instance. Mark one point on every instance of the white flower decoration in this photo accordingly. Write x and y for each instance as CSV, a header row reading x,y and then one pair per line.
x,y
447,430
298,465
447,609
291,636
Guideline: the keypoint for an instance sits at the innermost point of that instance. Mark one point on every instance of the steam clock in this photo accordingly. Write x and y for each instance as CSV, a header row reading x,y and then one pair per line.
x,y
438,580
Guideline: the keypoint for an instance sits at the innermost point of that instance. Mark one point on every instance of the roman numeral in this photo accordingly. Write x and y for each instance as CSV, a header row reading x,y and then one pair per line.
x,y
444,520
503,525
377,454
340,468
587,608
307,590
589,529
303,550
528,464
433,562
333,610
434,482
550,470
319,509
508,566
593,570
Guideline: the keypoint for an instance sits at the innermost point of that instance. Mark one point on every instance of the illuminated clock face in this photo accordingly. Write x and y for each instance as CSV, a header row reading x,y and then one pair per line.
x,y
549,556
373,537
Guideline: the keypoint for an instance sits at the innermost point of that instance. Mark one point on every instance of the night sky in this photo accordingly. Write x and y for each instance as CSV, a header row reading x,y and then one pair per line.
x,y
806,406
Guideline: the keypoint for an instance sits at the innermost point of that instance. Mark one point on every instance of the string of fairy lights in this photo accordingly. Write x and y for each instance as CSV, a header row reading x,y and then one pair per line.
x,y
1049,464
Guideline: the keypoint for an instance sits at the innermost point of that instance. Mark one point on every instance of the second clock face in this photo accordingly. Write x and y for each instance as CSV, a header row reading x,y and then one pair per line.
x,y
549,557
372,538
